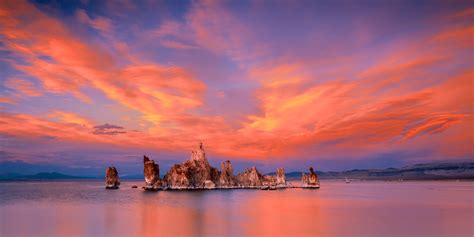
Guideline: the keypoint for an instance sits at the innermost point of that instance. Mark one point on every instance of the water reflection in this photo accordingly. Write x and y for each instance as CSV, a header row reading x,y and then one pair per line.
x,y
337,209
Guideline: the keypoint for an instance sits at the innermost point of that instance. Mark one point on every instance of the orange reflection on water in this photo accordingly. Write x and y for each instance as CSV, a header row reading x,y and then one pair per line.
x,y
272,214
337,209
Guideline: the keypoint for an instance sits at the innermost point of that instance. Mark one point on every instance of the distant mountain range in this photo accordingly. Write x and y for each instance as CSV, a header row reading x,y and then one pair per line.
x,y
39,176
431,171
58,176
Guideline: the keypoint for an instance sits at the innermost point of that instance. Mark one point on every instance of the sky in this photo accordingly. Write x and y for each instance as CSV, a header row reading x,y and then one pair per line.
x,y
333,84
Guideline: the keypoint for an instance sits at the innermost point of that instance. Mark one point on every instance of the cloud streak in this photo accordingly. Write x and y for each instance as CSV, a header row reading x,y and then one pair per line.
x,y
108,129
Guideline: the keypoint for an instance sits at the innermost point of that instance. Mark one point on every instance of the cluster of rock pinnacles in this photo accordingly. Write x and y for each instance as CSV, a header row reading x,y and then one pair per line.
x,y
197,173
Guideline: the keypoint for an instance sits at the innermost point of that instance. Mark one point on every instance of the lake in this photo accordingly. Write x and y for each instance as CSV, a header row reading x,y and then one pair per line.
x,y
376,208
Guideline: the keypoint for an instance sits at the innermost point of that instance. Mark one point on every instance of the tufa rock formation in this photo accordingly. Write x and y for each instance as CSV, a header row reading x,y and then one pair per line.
x,y
311,179
250,178
178,177
208,184
111,178
279,180
268,180
151,172
195,173
280,177
227,179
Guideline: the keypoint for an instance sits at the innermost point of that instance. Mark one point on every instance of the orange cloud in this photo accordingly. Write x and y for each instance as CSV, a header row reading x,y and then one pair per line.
x,y
434,125
459,36
70,118
313,106
152,89
397,99
469,12
22,125
6,100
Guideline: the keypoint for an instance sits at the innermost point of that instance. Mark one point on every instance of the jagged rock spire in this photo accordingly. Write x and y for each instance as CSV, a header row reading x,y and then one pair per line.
x,y
280,176
227,178
151,172
199,154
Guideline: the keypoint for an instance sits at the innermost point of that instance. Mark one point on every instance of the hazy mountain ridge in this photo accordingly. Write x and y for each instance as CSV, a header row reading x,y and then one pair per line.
x,y
39,176
431,171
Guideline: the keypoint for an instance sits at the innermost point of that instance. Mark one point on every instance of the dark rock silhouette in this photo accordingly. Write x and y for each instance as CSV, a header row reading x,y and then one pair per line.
x,y
111,178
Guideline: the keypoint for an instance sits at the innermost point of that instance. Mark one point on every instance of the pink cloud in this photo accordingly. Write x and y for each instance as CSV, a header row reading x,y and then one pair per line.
x,y
23,87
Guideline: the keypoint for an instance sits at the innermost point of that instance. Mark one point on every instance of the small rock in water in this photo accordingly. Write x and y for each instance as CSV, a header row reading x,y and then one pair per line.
x,y
111,178
310,180
134,186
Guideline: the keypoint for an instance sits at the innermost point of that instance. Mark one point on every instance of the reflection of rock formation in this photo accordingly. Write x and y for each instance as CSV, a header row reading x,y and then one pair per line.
x,y
250,178
227,178
193,173
151,172
111,178
311,179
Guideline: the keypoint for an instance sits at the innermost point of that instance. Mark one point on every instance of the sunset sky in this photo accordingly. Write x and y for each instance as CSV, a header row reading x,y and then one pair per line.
x,y
333,84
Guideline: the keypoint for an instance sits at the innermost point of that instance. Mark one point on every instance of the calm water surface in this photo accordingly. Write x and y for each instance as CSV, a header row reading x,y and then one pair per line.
x,y
85,208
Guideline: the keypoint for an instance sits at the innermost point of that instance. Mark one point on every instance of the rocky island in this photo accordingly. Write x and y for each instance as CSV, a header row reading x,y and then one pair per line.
x,y
197,173
310,180
111,178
